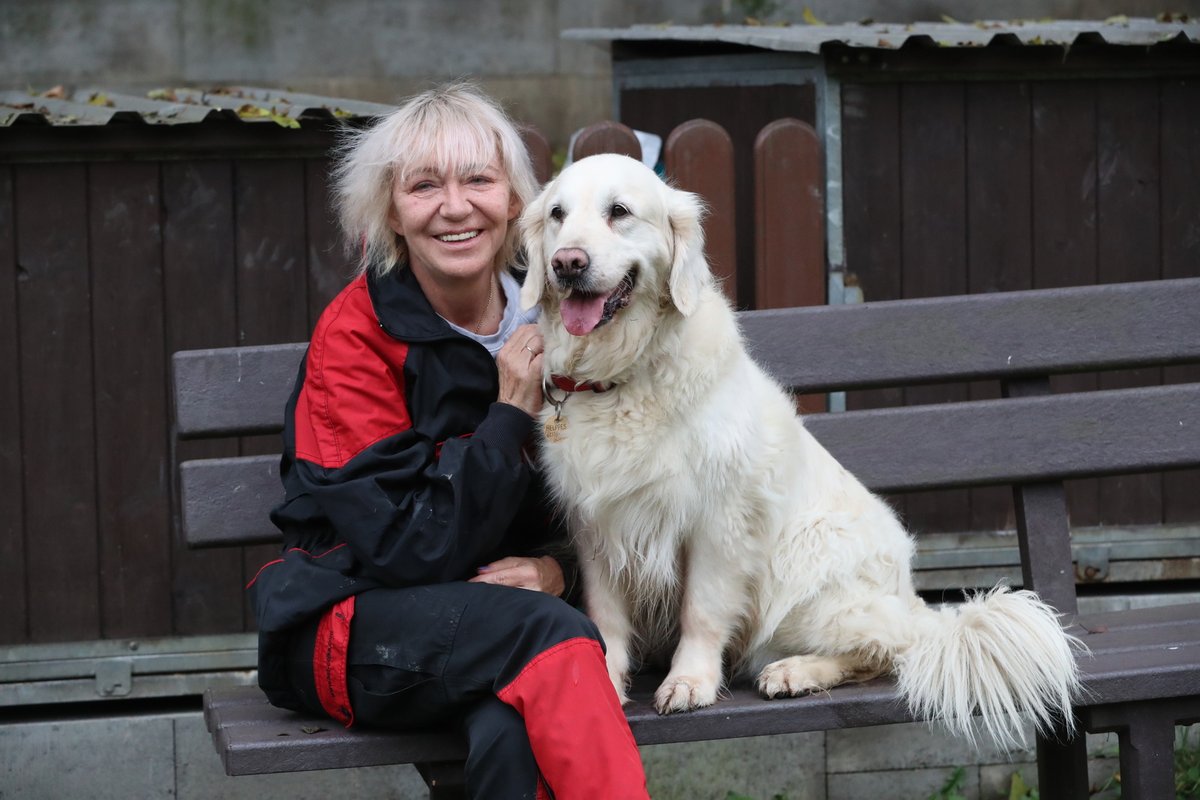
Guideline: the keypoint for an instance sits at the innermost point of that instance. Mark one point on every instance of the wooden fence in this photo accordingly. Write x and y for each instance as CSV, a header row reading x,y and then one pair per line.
x,y
111,262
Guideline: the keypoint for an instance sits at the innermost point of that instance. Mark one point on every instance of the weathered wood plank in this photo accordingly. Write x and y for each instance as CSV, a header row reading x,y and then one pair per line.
x,y
999,229
1128,247
933,245
330,267
272,280
698,157
13,588
606,137
131,403
1064,219
201,304
1179,161
54,309
871,215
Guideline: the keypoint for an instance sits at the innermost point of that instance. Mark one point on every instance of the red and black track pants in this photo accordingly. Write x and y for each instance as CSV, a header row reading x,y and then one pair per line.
x,y
522,672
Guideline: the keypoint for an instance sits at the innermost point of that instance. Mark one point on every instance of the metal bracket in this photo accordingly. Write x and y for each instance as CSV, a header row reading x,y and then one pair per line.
x,y
114,677
1091,564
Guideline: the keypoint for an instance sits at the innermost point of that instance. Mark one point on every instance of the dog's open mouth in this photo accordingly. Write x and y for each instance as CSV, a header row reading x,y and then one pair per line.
x,y
582,313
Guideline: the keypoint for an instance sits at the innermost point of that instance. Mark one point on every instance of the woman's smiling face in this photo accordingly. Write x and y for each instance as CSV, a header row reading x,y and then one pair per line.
x,y
453,223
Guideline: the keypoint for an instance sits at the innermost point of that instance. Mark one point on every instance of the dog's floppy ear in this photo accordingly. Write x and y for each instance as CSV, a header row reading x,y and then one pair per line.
x,y
689,269
532,224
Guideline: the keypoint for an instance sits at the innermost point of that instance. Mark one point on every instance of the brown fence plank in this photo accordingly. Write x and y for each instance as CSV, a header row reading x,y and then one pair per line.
x,y
999,236
539,152
330,266
56,401
1064,221
606,137
271,280
789,213
789,222
742,111
1128,250
1179,165
14,620
932,210
698,157
871,210
199,286
132,463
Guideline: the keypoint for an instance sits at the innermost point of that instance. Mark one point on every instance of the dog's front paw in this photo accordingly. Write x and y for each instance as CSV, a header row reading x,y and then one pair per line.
x,y
684,693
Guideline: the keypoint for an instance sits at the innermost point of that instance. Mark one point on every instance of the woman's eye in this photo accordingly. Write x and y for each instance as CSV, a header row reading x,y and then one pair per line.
x,y
618,211
556,213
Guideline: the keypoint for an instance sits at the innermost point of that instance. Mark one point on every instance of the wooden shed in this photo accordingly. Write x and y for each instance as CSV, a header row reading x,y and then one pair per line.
x,y
961,158
131,227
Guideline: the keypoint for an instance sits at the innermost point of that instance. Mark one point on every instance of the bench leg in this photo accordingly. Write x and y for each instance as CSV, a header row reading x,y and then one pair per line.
x,y
1147,756
446,780
1062,765
1146,735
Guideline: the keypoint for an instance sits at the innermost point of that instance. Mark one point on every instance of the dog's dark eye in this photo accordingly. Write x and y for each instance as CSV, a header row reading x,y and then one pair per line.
x,y
617,211
556,213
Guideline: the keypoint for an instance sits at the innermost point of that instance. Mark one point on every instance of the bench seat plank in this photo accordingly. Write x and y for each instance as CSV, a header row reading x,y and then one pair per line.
x,y
1134,655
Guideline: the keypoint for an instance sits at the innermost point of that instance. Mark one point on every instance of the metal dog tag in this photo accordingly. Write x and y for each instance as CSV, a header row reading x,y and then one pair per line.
x,y
555,429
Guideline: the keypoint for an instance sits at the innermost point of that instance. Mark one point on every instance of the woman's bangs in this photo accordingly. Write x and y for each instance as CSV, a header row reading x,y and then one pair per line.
x,y
454,150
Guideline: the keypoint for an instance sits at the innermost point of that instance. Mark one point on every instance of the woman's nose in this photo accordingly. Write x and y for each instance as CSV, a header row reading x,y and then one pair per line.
x,y
454,200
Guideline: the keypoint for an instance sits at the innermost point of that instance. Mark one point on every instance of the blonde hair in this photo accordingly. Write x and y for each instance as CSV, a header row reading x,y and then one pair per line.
x,y
453,129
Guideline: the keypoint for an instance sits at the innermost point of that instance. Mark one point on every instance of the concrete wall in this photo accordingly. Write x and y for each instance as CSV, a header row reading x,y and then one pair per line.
x,y
376,50
170,756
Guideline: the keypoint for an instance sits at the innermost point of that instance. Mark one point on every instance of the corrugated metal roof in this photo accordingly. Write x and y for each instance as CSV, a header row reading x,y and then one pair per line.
x,y
93,106
810,38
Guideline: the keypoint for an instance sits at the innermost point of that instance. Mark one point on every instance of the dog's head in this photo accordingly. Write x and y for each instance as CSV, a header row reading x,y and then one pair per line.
x,y
608,239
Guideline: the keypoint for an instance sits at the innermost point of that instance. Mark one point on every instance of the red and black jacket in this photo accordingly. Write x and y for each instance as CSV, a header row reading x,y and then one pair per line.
x,y
399,466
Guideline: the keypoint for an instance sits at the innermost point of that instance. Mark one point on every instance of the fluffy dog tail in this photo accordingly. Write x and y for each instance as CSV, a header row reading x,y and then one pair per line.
x,y
999,654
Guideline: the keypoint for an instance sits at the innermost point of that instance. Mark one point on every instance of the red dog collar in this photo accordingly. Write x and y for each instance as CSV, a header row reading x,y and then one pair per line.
x,y
570,385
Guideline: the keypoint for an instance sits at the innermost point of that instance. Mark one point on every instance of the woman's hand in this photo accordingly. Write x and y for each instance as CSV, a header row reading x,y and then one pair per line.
x,y
520,365
539,574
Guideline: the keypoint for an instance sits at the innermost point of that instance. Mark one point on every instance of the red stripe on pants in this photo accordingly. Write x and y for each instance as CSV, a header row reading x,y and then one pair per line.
x,y
578,733
329,661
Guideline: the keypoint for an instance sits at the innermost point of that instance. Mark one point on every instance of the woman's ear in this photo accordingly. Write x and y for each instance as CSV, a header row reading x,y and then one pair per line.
x,y
532,224
689,269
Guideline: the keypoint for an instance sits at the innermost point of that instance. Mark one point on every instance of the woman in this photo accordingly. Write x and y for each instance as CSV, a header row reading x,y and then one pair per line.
x,y
421,577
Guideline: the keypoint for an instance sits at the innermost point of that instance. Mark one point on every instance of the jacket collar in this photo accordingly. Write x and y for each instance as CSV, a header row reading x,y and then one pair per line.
x,y
401,307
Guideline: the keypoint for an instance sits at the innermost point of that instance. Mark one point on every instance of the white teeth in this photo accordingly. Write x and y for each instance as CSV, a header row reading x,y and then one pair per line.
x,y
458,237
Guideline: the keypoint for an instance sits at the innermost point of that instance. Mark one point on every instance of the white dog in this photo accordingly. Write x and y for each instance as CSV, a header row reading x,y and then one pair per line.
x,y
707,518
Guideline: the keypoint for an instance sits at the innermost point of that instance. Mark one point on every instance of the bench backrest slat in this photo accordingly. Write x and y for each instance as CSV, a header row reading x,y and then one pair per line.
x,y
1001,335
226,501
233,391
1013,336
993,441
1017,440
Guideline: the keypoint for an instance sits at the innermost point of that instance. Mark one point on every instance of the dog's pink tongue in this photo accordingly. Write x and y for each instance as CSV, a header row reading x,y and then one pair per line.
x,y
581,314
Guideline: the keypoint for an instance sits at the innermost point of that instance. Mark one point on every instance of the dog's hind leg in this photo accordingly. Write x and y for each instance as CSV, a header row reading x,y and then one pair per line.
x,y
800,675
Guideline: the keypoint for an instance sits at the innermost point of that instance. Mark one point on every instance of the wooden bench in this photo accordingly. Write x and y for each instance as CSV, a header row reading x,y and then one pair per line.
x,y
1143,672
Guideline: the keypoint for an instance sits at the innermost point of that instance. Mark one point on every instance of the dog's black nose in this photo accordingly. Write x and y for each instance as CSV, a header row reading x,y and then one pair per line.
x,y
569,262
